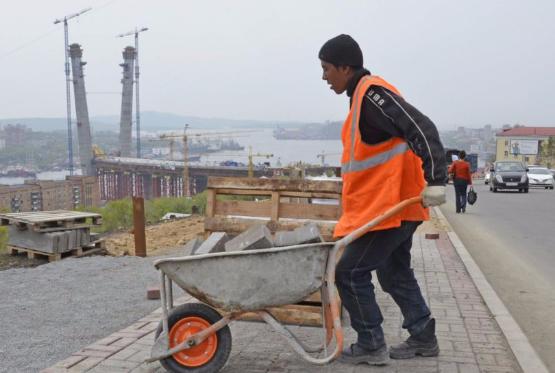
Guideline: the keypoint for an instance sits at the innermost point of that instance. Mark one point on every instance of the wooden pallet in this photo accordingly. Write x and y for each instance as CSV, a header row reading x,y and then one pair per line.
x,y
305,313
97,247
281,205
48,221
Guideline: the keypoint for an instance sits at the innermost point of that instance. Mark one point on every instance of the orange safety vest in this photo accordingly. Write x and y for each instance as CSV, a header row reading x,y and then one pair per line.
x,y
376,177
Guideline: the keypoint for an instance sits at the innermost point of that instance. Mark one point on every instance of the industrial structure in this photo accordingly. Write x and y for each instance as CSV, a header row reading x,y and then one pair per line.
x,y
137,101
81,110
126,120
68,90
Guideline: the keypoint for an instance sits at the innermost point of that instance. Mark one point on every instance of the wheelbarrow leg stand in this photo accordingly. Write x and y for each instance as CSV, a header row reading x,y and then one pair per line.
x,y
332,321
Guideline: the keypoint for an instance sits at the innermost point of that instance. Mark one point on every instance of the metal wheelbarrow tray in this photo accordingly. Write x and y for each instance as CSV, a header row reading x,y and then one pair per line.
x,y
251,280
194,337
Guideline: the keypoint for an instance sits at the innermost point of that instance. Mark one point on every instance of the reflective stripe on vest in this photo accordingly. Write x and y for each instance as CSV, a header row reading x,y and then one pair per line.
x,y
353,165
376,176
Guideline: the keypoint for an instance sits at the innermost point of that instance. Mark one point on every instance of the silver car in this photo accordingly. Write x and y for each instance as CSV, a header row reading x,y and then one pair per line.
x,y
540,177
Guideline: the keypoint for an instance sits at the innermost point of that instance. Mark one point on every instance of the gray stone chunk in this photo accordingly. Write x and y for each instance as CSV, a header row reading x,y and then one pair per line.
x,y
256,237
308,233
192,246
213,244
45,242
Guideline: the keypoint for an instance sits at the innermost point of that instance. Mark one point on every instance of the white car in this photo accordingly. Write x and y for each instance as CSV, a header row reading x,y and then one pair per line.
x,y
487,178
540,177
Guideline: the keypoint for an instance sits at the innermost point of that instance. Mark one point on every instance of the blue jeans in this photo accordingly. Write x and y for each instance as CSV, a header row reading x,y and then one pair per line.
x,y
387,252
460,194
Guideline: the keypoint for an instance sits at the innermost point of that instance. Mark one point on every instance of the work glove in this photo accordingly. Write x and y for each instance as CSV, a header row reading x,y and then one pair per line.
x,y
433,195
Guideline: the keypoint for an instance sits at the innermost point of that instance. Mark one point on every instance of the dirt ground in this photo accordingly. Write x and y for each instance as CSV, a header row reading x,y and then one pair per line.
x,y
160,238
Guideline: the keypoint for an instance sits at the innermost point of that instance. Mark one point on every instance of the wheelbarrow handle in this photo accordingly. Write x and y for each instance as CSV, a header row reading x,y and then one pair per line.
x,y
377,220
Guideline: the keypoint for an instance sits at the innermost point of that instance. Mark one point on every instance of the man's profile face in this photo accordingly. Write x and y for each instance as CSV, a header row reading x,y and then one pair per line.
x,y
336,77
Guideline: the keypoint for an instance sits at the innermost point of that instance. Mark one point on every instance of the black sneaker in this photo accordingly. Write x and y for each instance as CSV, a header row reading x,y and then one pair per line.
x,y
423,344
355,354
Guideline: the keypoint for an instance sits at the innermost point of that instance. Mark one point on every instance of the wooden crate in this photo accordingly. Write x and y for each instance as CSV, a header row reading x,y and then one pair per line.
x,y
281,205
284,204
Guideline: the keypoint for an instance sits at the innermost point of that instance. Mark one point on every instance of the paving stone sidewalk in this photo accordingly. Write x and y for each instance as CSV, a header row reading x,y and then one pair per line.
x,y
469,337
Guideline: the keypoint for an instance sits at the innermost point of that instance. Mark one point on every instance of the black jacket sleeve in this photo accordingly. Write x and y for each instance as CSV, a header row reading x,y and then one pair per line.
x,y
385,114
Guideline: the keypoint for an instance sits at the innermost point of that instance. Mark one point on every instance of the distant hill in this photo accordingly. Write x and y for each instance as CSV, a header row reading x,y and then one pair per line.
x,y
150,121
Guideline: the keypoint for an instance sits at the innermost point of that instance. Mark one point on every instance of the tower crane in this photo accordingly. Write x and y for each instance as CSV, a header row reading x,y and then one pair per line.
x,y
323,156
171,141
250,156
185,137
255,155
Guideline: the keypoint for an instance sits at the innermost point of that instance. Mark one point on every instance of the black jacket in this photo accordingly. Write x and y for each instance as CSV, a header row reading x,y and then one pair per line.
x,y
384,115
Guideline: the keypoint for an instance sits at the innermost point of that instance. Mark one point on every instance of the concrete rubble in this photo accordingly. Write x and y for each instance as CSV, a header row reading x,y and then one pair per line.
x,y
191,246
308,233
213,244
256,237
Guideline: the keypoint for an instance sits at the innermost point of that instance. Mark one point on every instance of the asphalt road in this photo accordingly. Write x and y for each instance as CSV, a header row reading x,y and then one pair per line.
x,y
511,236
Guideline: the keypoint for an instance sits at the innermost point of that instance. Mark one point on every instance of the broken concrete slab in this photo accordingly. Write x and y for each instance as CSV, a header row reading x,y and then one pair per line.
x,y
256,237
191,246
215,243
308,233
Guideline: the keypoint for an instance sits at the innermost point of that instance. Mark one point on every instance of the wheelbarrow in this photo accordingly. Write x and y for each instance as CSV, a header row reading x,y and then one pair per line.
x,y
195,337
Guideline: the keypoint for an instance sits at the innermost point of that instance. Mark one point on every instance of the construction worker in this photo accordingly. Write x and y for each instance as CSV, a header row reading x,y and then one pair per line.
x,y
391,152
461,180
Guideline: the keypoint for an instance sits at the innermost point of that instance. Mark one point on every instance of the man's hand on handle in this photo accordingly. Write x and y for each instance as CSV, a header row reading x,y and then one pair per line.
x,y
433,195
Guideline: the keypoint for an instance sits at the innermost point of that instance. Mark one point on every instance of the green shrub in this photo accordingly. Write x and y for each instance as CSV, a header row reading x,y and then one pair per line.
x,y
3,238
117,215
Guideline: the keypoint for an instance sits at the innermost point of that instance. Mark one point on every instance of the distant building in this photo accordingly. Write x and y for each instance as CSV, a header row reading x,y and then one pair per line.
x,y
45,195
521,143
15,134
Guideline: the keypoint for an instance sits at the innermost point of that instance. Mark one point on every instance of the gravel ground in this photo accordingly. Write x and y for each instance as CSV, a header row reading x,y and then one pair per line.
x,y
51,311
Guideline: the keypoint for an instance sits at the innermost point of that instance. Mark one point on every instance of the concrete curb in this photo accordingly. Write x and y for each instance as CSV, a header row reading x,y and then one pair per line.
x,y
525,354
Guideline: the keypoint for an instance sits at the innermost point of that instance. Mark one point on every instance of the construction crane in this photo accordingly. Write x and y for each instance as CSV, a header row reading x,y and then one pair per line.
x,y
185,138
323,156
171,140
255,155
250,155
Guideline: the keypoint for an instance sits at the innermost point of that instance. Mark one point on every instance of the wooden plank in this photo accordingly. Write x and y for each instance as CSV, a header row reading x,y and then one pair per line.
x,y
301,185
309,211
248,192
55,229
210,202
96,248
274,213
324,195
243,208
291,315
284,193
38,217
239,225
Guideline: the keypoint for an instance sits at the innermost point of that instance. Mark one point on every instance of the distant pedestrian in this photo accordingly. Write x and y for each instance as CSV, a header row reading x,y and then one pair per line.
x,y
461,179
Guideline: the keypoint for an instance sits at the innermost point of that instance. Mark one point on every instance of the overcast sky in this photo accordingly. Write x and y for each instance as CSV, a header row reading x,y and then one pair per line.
x,y
470,62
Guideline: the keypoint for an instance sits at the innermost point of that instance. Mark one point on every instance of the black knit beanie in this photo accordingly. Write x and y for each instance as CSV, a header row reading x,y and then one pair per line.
x,y
342,50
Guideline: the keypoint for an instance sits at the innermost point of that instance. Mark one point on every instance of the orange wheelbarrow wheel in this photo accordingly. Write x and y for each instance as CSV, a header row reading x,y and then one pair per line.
x,y
209,356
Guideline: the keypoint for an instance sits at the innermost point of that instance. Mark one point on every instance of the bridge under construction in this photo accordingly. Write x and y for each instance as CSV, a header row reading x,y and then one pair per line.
x,y
120,177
